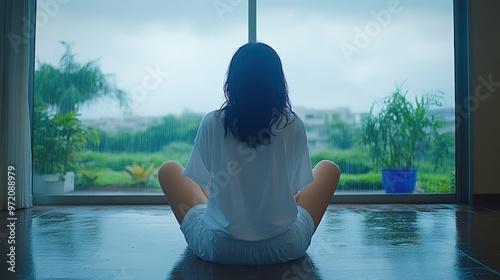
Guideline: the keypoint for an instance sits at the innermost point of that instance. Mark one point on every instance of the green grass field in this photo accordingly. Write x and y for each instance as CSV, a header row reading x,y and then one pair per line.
x,y
357,173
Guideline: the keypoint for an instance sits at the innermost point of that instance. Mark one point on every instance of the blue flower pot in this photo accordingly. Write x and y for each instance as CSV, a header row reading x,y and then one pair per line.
x,y
399,180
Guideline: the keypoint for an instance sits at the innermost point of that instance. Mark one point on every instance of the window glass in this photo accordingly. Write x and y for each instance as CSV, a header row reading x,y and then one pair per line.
x,y
122,85
165,59
343,58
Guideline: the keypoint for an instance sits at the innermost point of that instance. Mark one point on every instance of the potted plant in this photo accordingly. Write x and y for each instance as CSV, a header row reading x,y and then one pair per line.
x,y
56,140
399,134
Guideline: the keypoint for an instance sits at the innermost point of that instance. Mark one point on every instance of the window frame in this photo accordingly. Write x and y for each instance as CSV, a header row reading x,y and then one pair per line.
x,y
462,136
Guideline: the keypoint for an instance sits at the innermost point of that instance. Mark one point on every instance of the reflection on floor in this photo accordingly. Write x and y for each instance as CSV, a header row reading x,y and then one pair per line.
x,y
352,242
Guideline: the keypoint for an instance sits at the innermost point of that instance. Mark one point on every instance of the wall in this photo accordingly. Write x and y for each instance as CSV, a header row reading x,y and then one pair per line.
x,y
484,24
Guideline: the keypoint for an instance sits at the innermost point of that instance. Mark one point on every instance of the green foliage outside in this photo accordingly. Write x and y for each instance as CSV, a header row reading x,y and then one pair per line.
x,y
119,161
130,160
341,135
87,177
140,175
71,84
171,129
360,182
56,141
352,161
58,133
403,133
437,183
111,178
358,173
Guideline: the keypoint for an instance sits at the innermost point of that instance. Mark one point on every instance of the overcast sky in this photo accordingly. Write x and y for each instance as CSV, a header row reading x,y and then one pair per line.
x,y
171,56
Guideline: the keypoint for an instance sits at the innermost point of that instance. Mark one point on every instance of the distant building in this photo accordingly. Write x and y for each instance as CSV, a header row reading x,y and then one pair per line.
x,y
315,119
317,134
129,123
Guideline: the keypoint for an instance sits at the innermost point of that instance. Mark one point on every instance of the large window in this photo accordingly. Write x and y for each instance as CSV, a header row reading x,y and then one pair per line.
x,y
341,58
121,86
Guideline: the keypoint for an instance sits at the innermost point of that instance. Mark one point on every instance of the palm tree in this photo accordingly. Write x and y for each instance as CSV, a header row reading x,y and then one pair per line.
x,y
72,84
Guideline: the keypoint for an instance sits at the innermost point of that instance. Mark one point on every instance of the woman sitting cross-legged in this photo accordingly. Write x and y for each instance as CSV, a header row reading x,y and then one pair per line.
x,y
248,194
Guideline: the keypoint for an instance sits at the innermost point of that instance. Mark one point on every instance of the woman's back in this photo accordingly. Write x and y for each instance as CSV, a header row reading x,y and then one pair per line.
x,y
251,189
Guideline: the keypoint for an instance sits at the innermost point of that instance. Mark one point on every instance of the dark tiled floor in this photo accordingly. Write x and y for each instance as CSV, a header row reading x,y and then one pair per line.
x,y
352,242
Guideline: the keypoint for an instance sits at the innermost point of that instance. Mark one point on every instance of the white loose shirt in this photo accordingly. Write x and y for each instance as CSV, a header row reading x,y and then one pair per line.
x,y
251,189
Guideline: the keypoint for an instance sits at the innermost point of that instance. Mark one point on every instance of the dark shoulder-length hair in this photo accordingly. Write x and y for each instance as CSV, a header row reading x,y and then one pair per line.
x,y
256,95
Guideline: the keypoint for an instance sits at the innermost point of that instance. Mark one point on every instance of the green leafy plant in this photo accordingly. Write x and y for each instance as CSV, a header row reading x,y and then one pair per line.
x,y
88,176
57,138
402,133
437,183
71,84
140,175
59,93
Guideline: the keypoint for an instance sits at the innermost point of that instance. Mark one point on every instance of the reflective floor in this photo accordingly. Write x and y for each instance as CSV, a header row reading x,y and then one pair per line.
x,y
352,242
